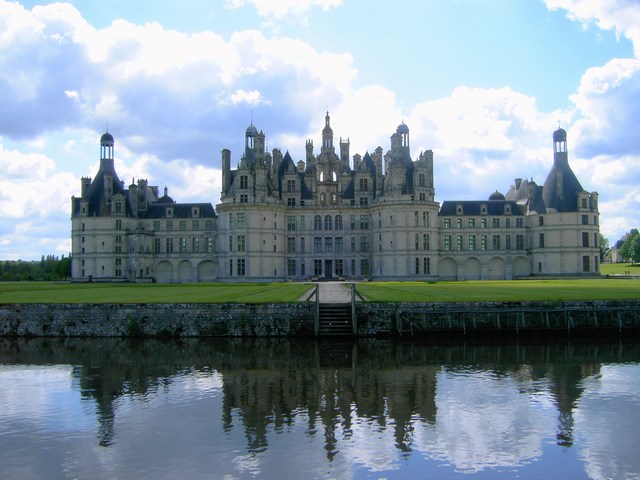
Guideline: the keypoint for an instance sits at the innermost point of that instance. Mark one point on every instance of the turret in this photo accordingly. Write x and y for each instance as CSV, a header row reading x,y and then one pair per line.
x,y
226,170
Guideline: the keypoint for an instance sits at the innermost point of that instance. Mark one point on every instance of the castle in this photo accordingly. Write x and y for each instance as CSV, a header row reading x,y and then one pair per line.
x,y
332,217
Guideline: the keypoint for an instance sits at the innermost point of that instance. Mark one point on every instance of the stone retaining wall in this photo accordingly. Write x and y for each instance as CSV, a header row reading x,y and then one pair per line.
x,y
298,319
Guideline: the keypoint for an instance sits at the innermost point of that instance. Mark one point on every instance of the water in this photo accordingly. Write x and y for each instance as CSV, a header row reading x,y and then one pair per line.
x,y
246,409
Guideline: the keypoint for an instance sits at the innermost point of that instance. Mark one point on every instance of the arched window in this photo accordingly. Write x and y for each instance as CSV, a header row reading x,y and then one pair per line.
x,y
338,222
328,223
317,222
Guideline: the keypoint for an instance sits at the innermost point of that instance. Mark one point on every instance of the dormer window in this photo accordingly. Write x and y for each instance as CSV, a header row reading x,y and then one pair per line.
x,y
195,212
458,209
170,212
507,209
483,209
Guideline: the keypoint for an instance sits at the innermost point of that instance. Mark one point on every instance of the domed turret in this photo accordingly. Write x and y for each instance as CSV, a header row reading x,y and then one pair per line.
x,y
402,129
107,140
560,135
496,196
252,131
106,146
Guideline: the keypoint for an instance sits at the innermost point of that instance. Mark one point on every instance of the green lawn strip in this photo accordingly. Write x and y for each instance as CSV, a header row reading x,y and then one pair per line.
x,y
619,269
36,292
532,290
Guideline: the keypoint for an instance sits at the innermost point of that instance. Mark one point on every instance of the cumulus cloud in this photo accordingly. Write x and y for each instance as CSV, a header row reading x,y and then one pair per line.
x,y
276,10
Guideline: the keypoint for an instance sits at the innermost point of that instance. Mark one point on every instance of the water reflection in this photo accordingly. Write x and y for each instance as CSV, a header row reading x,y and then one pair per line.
x,y
270,407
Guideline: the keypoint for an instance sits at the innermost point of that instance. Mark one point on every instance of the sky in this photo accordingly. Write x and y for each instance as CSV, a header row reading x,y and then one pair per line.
x,y
482,83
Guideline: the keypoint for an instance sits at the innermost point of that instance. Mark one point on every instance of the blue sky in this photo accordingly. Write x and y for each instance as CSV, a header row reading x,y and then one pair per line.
x,y
483,83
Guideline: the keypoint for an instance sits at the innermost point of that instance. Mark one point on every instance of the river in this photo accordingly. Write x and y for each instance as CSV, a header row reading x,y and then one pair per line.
x,y
300,409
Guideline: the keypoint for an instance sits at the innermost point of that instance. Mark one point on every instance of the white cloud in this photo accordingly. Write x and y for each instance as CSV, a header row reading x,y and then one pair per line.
x,y
276,10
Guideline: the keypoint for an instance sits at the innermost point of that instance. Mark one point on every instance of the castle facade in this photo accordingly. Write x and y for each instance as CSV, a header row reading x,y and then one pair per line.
x,y
332,216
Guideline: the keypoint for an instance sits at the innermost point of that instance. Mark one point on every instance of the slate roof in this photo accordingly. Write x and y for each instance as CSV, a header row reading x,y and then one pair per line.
x,y
473,207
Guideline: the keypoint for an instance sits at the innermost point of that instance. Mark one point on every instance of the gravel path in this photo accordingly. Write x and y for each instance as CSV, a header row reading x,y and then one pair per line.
x,y
333,292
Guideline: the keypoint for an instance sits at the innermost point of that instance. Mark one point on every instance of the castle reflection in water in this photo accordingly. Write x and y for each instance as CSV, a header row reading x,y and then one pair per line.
x,y
267,384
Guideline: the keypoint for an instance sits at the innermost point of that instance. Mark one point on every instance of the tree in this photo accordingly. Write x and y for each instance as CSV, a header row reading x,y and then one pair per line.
x,y
635,248
626,251
604,245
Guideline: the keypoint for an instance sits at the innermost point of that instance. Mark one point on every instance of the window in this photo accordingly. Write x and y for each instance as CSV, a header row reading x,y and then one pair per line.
x,y
317,267
302,249
425,219
416,242
472,242
585,219
338,222
426,265
541,240
195,225
291,267
421,180
291,185
328,244
496,223
209,244
291,223
182,225
231,243
317,222
364,185
585,263
156,245
302,223
447,223
339,267
183,244
352,219
291,244
241,220
496,242
425,241
364,244
364,266
541,221
118,207
507,222
364,222
169,245
472,223
507,242
169,226
459,245
458,223
244,182
244,198
519,242
303,270
156,225
417,266
483,223
483,242
240,271
338,244
230,267
364,201
118,225
585,239
328,222
519,222
291,202
195,244
447,242
317,244
415,218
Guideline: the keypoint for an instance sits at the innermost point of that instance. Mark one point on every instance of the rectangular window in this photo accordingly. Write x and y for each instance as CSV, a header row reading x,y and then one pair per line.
x,y
195,225
231,267
421,180
507,222
156,245
328,244
291,202
417,266
291,185
169,245
483,223
496,242
541,221
364,185
169,225
339,268
425,219
447,223
519,242
317,267
209,243
291,267
364,201
302,227
364,266
182,225
317,244
241,220
425,241
339,245
364,222
241,267
585,219
585,239
183,244
519,222
472,242
156,225
244,181
415,218
231,243
472,223
483,242
447,242
458,223
353,244
507,242
541,240
195,244
585,263
302,245
291,244
364,244
459,245
291,223
416,241
353,222
496,223
244,198
426,265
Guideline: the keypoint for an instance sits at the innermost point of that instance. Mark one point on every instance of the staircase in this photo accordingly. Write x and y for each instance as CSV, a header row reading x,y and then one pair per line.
x,y
335,319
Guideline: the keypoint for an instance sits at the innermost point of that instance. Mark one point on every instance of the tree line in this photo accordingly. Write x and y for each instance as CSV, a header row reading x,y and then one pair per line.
x,y
48,269
630,249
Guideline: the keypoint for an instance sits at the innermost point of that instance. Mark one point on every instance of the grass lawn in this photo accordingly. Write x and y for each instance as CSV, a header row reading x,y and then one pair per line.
x,y
619,268
45,292
517,290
